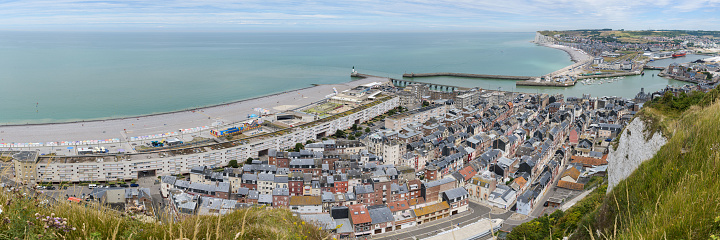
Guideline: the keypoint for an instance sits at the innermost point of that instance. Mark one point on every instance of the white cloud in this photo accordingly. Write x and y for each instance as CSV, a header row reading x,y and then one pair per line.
x,y
522,15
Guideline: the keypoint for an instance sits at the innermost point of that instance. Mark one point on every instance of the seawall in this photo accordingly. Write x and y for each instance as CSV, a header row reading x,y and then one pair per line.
x,y
467,75
610,75
545,84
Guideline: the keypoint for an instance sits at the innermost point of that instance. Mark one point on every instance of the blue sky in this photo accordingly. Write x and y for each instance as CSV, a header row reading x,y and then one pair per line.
x,y
357,15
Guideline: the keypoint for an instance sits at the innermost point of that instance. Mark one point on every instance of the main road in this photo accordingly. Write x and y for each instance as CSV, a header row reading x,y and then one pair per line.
x,y
474,213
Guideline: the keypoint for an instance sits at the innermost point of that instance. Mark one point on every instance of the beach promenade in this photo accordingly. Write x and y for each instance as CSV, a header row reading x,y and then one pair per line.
x,y
125,128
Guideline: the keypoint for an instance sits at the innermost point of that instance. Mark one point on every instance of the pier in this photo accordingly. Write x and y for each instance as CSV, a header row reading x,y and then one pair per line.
x,y
653,68
431,86
619,74
467,75
545,83
405,83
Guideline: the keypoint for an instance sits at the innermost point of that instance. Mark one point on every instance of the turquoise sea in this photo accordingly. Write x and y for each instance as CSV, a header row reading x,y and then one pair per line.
x,y
66,76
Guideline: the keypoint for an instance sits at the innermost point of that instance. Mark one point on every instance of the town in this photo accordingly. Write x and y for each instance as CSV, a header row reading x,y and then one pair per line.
x,y
427,156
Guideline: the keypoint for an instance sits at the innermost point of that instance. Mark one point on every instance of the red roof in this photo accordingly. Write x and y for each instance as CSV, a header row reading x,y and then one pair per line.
x,y
590,161
570,185
398,206
359,214
468,172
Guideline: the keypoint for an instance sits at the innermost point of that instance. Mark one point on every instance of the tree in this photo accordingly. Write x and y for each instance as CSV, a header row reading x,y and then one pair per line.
x,y
367,130
351,137
308,142
354,127
339,134
249,160
425,104
298,147
233,163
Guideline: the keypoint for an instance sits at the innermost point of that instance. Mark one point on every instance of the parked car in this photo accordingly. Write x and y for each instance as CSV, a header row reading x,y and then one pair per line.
x,y
91,186
40,187
134,185
50,188
124,185
112,185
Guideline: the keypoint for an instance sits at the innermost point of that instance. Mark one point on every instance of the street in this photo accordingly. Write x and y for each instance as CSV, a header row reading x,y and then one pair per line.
x,y
474,213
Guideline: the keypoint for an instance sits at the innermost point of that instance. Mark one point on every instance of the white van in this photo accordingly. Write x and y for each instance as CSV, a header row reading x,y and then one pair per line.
x,y
91,186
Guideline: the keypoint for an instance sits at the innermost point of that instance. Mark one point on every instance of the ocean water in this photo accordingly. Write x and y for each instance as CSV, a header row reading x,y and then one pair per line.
x,y
66,76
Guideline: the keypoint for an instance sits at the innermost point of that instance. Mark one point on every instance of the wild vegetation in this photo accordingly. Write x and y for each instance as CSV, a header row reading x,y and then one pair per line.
x,y
674,195
559,223
28,215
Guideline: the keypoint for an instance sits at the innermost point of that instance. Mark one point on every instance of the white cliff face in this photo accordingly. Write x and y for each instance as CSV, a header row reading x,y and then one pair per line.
x,y
632,150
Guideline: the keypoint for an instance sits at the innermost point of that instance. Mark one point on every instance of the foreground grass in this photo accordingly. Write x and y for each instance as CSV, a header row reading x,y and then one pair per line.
x,y
676,194
23,213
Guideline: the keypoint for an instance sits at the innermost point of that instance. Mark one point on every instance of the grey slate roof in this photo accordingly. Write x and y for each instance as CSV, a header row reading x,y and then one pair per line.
x,y
380,214
438,182
249,177
266,177
168,179
202,186
363,189
223,187
327,197
243,191
253,194
456,193
265,198
322,220
281,192
281,179
182,184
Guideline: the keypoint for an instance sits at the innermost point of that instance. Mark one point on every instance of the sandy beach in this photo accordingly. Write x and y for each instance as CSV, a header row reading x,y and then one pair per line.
x,y
579,58
125,128
576,55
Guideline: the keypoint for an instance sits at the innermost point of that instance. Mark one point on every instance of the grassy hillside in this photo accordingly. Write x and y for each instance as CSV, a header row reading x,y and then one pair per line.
x,y
26,215
674,195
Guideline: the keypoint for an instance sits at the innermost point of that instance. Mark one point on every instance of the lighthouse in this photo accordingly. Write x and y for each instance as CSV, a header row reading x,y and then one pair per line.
x,y
353,70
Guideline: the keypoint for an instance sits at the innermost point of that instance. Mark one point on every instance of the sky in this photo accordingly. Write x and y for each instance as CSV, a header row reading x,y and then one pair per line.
x,y
357,15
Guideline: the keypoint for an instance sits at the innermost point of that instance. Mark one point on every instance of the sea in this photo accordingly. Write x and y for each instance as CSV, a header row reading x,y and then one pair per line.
x,y
50,77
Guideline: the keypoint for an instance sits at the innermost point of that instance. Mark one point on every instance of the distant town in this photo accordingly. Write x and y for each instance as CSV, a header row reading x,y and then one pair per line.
x,y
384,158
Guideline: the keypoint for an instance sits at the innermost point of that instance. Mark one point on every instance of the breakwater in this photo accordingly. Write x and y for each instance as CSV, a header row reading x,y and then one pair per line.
x,y
467,75
653,68
610,75
405,83
545,83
